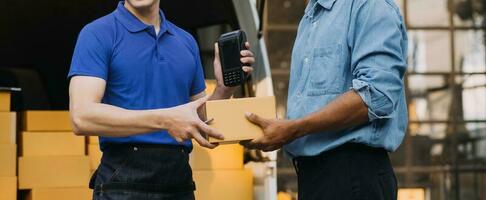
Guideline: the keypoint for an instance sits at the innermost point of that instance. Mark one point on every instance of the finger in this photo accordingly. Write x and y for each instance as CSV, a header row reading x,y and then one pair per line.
x,y
247,69
210,131
247,45
199,102
179,140
247,60
254,144
244,142
269,148
256,119
201,141
246,53
216,50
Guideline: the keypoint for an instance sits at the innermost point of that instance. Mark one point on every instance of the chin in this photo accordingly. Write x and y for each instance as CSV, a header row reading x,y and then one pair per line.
x,y
141,3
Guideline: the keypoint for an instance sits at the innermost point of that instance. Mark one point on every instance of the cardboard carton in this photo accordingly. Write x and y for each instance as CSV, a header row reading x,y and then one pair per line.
x,y
4,101
411,194
93,140
8,188
234,185
46,121
53,171
8,127
73,193
229,117
224,157
94,154
8,160
51,144
210,86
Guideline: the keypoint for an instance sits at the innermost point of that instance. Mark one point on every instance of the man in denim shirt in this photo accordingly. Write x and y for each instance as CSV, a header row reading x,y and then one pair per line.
x,y
346,103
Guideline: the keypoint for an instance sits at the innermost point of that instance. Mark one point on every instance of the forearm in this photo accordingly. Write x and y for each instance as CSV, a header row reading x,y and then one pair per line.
x,y
346,111
222,92
111,121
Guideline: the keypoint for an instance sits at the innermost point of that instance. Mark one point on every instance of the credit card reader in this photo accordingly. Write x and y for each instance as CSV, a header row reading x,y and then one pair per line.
x,y
230,45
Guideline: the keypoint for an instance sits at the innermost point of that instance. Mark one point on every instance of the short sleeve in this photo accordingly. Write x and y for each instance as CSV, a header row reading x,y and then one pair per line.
x,y
198,82
91,56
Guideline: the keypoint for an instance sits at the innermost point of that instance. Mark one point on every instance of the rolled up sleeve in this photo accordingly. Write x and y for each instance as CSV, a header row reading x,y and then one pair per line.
x,y
377,38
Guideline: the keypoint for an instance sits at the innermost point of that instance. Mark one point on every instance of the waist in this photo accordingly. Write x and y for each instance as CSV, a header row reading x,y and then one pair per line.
x,y
356,160
153,168
118,147
349,150
150,139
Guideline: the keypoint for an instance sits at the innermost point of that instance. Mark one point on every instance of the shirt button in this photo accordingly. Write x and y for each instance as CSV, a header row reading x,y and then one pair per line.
x,y
306,60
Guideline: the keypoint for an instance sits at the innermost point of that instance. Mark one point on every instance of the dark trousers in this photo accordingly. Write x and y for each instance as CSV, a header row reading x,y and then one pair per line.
x,y
349,172
140,172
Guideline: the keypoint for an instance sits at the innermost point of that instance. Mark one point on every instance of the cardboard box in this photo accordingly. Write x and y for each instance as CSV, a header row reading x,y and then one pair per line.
x,y
73,193
5,101
411,194
210,86
8,188
224,157
218,185
229,117
93,140
53,171
46,121
8,160
94,154
51,144
8,128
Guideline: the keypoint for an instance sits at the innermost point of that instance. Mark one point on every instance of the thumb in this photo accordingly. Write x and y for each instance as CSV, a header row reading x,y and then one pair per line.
x,y
256,119
199,102
216,50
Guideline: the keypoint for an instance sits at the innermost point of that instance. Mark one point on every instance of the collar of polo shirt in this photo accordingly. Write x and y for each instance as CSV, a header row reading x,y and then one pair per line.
x,y
133,24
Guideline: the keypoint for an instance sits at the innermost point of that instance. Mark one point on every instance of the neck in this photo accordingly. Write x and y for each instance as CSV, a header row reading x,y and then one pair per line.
x,y
149,15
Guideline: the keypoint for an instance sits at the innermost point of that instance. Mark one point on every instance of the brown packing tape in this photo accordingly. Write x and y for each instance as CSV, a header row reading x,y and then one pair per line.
x,y
8,127
53,171
46,121
8,160
229,117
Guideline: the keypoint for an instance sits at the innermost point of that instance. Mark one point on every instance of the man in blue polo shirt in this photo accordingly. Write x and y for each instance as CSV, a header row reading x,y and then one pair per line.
x,y
136,81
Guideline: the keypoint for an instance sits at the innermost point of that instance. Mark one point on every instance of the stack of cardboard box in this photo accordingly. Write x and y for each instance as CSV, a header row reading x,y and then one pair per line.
x,y
8,149
53,164
94,152
220,173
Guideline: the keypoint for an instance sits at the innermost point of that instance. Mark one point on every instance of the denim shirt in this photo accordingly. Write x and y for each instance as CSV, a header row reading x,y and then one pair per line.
x,y
344,45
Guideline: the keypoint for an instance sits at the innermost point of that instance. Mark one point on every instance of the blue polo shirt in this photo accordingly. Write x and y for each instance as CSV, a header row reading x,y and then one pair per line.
x,y
142,70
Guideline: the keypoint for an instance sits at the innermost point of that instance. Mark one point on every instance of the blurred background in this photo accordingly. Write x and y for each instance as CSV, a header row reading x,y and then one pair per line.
x,y
444,152
443,156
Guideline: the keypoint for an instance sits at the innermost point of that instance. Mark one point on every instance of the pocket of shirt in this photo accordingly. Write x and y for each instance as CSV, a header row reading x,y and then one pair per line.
x,y
326,73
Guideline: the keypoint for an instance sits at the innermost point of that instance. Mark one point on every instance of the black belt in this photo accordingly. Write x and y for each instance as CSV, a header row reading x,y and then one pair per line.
x,y
115,146
140,187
